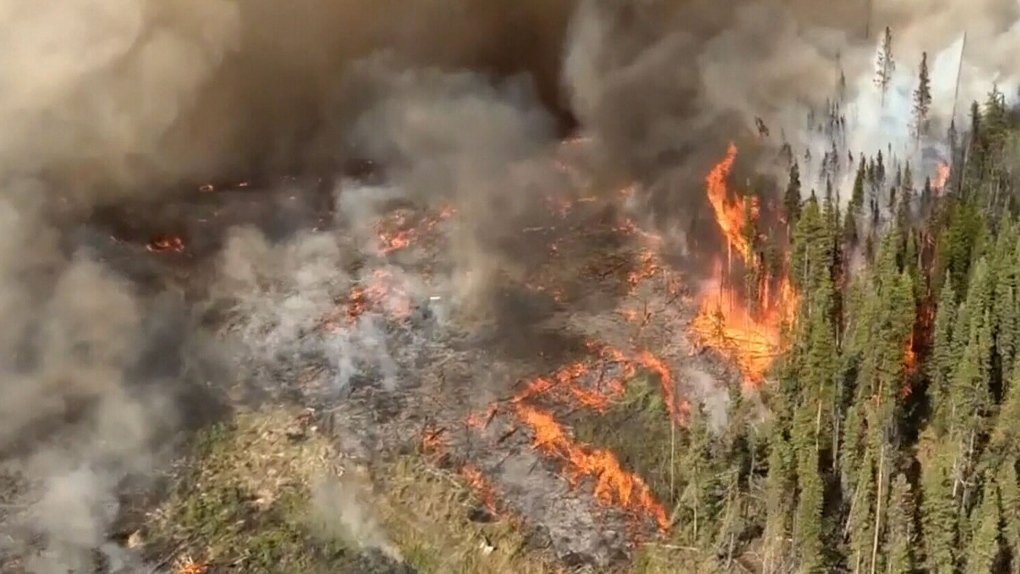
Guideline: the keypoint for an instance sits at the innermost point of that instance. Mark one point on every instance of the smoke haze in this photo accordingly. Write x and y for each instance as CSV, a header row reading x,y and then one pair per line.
x,y
107,100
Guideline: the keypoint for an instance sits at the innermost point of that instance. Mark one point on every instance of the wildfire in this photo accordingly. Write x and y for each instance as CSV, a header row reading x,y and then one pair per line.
x,y
614,486
381,293
210,188
647,267
909,357
749,337
729,214
941,177
909,367
189,566
405,235
166,243
482,488
433,441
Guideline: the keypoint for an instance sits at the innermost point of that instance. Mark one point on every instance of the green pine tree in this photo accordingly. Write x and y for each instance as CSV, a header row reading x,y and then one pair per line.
x,y
900,539
938,511
985,547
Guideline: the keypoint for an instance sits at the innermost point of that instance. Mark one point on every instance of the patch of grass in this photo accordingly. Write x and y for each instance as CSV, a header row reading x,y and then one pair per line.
x,y
258,496
426,513
669,559
243,501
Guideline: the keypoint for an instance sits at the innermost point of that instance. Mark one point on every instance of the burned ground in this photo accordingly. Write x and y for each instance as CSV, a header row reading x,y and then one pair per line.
x,y
445,409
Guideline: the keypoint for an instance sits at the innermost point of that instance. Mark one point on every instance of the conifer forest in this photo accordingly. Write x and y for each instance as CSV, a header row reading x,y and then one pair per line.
x,y
894,437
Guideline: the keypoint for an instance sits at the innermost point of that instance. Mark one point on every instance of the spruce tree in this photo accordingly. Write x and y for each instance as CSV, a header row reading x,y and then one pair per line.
x,y
779,494
922,101
938,511
901,538
984,547
791,199
885,65
1009,498
810,529
851,225
944,358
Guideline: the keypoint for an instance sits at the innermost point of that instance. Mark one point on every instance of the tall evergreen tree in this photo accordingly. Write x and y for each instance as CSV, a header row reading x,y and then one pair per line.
x,y
922,101
944,358
901,537
984,547
885,65
938,512
791,199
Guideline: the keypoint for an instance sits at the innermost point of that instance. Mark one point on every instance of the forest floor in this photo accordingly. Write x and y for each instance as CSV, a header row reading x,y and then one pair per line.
x,y
446,472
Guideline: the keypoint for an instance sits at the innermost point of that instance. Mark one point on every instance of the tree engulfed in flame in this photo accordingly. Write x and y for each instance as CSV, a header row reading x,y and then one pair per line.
x,y
941,177
729,213
748,337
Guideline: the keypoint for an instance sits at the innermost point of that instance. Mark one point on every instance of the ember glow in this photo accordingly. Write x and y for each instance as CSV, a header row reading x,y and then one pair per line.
x,y
750,337
166,243
405,235
189,566
433,442
647,266
381,293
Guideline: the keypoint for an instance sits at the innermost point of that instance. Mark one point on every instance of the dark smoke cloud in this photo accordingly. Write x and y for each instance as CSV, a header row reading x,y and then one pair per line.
x,y
111,100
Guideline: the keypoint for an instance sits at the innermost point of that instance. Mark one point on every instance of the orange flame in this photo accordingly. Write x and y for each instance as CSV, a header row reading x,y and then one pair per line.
x,y
613,485
729,214
748,337
166,243
909,367
909,357
482,488
647,267
941,177
189,566
405,236
382,293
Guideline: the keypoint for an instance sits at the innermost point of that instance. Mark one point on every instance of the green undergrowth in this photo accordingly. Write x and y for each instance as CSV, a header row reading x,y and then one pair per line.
x,y
244,502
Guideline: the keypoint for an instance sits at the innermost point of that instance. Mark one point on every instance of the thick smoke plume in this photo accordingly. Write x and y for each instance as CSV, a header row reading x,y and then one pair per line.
x,y
107,100
662,81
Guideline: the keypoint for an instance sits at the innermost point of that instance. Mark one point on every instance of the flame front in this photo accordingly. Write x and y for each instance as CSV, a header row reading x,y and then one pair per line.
x,y
613,485
381,293
748,337
729,214
482,488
